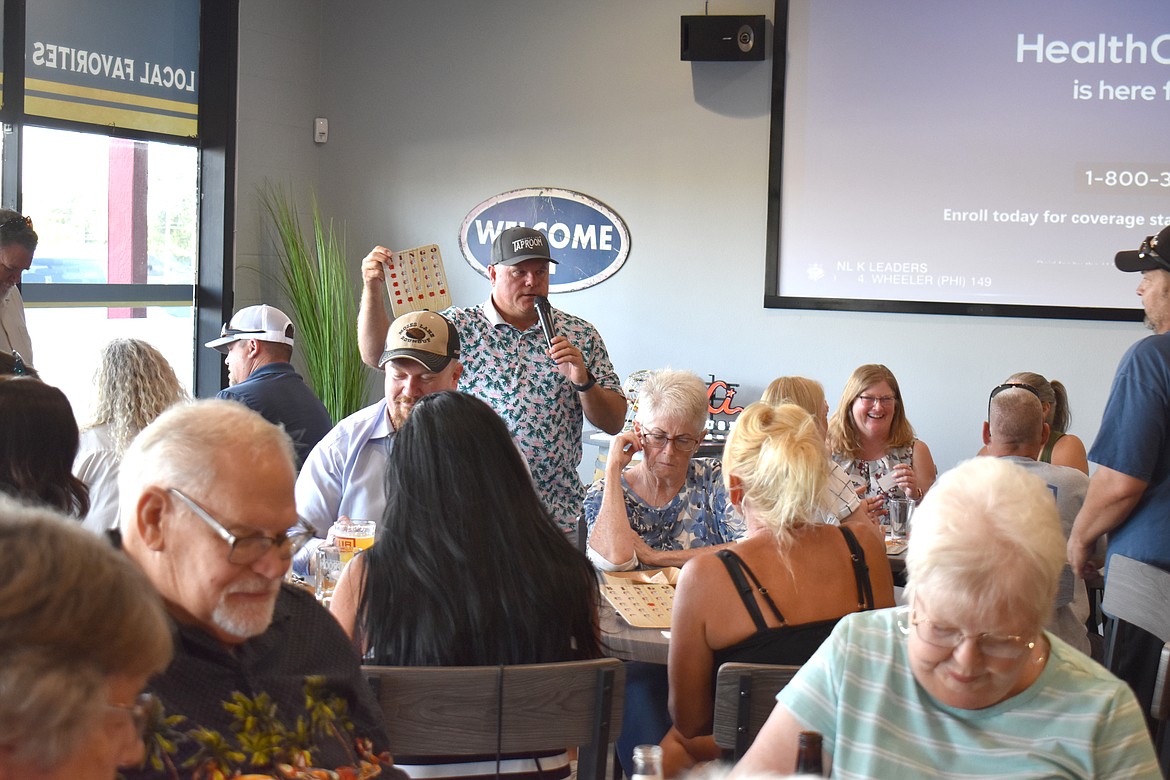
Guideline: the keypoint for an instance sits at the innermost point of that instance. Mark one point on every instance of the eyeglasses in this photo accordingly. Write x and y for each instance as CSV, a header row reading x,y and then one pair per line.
x,y
249,549
871,400
949,637
658,441
141,711
1010,386
17,223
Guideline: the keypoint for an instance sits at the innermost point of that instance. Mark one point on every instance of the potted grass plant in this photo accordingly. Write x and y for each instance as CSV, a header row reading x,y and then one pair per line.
x,y
315,279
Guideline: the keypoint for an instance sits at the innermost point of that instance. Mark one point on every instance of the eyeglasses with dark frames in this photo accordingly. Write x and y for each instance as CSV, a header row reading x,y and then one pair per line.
x,y
1010,386
658,441
249,549
871,400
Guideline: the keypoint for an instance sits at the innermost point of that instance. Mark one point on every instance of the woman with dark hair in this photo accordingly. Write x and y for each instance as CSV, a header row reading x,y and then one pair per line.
x,y
18,242
469,569
38,441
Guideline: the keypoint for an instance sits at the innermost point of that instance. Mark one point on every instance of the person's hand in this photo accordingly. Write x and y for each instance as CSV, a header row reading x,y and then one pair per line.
x,y
646,555
621,452
374,265
1080,557
906,480
570,362
873,508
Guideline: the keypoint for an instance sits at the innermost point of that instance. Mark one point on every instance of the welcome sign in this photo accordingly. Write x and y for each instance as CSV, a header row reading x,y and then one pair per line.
x,y
588,240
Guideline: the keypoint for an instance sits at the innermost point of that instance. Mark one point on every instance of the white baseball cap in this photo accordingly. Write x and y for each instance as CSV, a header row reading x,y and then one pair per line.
x,y
263,323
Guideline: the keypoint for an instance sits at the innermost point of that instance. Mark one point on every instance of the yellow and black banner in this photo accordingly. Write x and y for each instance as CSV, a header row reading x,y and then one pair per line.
x,y
117,63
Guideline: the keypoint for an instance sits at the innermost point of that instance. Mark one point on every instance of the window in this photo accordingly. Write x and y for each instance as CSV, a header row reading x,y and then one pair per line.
x,y
118,224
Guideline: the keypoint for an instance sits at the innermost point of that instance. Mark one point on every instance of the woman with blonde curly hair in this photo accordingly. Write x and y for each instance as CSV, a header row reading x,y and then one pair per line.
x,y
870,436
776,595
135,384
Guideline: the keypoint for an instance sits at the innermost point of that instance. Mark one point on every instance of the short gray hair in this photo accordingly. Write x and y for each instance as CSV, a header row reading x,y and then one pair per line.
x,y
670,394
73,611
179,447
987,537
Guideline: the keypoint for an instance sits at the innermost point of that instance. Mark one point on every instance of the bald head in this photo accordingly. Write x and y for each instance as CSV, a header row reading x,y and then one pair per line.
x,y
1015,424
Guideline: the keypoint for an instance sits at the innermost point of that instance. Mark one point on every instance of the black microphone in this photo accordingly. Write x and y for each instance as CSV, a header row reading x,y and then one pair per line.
x,y
544,314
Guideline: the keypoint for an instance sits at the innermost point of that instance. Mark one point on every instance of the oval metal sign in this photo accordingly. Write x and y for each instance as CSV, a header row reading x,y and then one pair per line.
x,y
589,241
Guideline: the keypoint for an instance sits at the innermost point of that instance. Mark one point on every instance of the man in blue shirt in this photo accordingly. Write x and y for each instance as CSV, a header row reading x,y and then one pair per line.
x,y
1129,493
258,345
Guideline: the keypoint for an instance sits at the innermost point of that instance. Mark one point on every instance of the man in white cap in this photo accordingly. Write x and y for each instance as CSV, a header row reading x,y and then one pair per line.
x,y
258,345
540,390
345,474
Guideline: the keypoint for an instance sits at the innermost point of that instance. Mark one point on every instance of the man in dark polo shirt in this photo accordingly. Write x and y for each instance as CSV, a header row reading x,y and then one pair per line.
x,y
262,674
258,343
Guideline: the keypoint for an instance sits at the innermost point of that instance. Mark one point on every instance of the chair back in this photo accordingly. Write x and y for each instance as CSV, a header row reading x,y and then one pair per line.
x,y
494,710
745,695
1138,593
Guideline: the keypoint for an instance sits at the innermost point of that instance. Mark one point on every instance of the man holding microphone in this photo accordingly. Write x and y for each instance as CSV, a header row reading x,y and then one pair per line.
x,y
540,387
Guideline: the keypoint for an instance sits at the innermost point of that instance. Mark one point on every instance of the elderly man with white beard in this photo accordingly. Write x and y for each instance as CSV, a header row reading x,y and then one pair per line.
x,y
206,508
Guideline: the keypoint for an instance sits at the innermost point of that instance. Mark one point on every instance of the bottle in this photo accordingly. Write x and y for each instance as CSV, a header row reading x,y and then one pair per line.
x,y
809,759
647,763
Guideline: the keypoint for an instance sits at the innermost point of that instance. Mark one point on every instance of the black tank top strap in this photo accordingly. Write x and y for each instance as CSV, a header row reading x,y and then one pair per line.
x,y
736,569
860,570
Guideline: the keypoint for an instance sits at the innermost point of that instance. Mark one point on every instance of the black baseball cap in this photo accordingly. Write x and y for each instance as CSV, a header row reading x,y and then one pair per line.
x,y
515,245
1154,253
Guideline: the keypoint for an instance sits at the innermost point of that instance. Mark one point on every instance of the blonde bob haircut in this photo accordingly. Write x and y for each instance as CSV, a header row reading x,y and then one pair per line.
x,y
986,541
73,612
806,393
778,456
843,436
673,395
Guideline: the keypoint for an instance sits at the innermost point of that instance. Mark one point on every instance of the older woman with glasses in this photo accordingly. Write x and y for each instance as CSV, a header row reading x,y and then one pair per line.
x,y
81,631
964,681
873,441
18,242
667,507
662,511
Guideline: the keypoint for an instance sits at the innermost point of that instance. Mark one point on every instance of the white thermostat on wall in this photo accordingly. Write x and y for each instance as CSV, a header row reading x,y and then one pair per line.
x,y
320,130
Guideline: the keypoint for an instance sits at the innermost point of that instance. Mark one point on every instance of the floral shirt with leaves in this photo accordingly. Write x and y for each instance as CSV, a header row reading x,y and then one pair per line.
x,y
509,369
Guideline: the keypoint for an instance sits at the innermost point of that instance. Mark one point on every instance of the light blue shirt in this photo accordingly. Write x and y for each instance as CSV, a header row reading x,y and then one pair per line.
x,y
345,474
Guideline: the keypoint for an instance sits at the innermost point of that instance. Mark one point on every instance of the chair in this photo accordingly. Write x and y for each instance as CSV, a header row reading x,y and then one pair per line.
x,y
745,695
493,710
1138,593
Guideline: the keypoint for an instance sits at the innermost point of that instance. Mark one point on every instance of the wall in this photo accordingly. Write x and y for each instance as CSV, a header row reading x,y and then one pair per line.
x,y
436,106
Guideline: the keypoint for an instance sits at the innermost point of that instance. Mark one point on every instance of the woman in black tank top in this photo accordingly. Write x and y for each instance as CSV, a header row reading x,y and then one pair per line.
x,y
775,596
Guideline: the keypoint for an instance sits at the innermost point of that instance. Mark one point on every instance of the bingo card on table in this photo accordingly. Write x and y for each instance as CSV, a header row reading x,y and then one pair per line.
x,y
644,606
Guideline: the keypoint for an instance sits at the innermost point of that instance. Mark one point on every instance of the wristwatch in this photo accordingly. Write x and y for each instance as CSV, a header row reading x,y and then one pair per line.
x,y
589,383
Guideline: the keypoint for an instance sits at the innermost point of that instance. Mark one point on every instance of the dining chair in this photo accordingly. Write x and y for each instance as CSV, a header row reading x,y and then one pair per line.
x,y
496,710
745,695
1138,593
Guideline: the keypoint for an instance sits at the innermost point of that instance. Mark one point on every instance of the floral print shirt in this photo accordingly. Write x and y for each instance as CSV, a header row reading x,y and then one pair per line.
x,y
700,515
509,370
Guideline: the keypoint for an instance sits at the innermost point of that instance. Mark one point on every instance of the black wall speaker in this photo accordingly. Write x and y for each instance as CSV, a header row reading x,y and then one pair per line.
x,y
722,38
